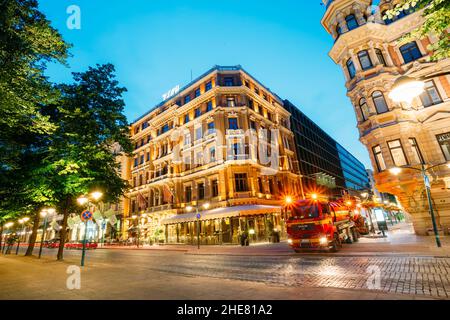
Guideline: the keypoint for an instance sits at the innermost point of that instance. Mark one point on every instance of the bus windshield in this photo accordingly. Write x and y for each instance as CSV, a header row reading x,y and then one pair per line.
x,y
305,212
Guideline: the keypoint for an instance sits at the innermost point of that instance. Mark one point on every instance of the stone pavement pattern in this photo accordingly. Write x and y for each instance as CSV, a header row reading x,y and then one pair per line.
x,y
146,274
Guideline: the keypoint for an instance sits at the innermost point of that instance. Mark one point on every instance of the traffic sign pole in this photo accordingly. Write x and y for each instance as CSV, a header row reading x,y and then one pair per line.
x,y
83,254
85,216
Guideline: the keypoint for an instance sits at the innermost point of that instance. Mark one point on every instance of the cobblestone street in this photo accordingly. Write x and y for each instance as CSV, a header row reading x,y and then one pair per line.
x,y
122,271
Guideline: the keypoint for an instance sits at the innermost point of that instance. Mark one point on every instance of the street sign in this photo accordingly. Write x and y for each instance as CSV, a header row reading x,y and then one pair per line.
x,y
86,215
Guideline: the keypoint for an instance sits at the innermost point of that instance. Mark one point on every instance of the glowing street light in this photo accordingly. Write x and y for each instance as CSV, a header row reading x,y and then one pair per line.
x,y
44,214
82,200
96,195
288,200
314,196
405,89
395,171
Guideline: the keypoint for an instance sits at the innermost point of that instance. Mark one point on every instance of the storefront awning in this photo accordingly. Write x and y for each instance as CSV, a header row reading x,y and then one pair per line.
x,y
226,212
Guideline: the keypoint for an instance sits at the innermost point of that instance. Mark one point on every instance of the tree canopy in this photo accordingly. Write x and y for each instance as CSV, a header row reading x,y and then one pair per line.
x,y
436,22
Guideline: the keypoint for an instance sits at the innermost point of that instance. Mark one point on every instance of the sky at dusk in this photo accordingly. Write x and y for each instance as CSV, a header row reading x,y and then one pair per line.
x,y
155,44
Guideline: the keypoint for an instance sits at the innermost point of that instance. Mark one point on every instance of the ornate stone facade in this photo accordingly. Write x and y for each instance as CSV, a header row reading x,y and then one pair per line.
x,y
395,134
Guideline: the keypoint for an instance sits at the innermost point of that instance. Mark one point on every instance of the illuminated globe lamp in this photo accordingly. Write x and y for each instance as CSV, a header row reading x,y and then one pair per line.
x,y
395,171
405,89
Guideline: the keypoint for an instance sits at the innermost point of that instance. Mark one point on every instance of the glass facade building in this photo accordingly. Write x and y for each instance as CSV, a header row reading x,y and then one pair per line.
x,y
324,164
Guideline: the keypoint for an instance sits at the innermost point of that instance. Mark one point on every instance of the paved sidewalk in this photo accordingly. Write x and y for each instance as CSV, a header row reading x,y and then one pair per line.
x,y
30,278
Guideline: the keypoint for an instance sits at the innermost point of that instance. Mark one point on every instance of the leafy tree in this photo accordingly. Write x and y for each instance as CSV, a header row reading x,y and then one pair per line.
x,y
27,44
436,15
80,159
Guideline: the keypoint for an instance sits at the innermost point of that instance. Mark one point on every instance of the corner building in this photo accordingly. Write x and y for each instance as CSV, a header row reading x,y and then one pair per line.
x,y
367,49
203,149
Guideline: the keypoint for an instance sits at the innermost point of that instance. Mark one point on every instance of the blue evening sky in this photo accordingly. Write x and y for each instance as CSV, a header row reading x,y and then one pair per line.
x,y
155,44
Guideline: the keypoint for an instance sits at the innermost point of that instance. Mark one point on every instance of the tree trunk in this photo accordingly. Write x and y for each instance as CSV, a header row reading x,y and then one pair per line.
x,y
34,233
1,236
63,232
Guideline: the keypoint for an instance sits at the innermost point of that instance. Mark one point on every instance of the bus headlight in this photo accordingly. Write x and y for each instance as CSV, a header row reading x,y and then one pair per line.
x,y
290,241
323,240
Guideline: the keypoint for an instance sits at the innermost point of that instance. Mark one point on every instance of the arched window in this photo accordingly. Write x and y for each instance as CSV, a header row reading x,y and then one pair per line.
x,y
364,58
351,68
364,109
410,52
380,57
351,22
379,102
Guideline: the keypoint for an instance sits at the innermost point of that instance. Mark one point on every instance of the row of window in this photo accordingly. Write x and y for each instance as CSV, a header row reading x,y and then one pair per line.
x,y
410,52
429,97
398,154
352,23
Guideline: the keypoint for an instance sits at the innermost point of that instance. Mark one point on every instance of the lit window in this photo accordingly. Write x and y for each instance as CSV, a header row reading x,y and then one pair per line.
x,y
430,96
380,57
351,22
415,150
397,153
211,127
215,188
209,106
188,194
232,123
229,82
410,52
364,58
444,142
381,165
351,68
187,139
380,102
201,191
231,102
364,109
198,133
212,154
240,182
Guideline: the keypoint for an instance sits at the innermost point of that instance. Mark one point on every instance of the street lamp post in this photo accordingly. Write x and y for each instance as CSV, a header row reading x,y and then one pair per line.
x,y
7,226
44,213
426,180
22,222
197,215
